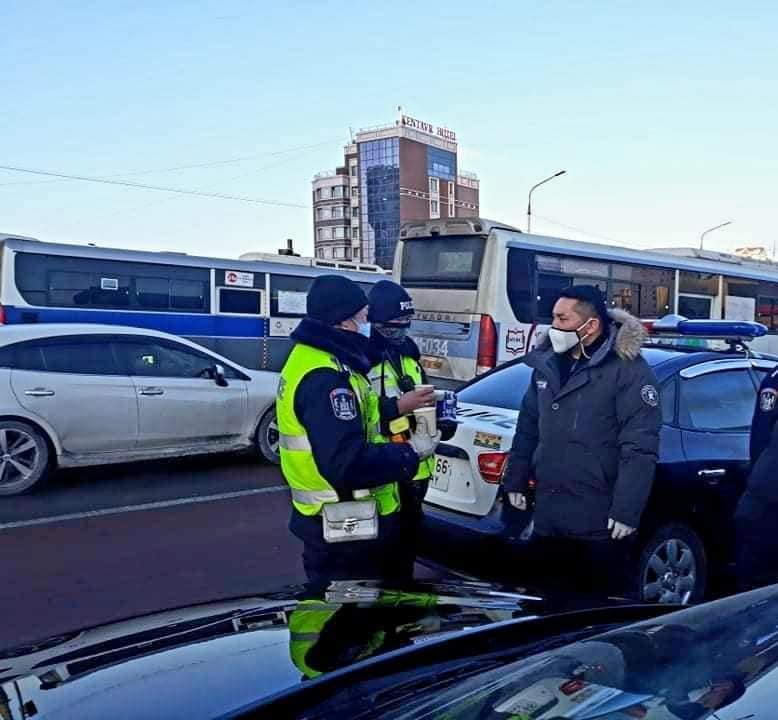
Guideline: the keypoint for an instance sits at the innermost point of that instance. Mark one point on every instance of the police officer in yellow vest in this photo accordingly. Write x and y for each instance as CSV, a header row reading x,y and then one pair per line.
x,y
395,373
342,481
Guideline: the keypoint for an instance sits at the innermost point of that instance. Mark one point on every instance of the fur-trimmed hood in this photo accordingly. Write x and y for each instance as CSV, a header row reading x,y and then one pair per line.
x,y
627,335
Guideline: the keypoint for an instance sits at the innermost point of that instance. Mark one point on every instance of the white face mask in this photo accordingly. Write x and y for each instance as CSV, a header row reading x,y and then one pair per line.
x,y
564,340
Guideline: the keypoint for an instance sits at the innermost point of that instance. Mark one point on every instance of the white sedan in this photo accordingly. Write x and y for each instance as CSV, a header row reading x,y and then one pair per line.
x,y
75,395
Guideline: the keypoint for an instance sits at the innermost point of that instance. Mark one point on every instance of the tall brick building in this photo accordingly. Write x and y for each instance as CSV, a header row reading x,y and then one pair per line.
x,y
405,171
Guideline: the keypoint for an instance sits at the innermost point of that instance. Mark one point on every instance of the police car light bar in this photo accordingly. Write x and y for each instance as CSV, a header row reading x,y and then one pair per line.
x,y
679,326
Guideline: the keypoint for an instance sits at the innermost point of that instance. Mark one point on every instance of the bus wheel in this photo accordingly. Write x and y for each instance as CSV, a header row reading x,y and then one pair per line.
x,y
266,440
24,457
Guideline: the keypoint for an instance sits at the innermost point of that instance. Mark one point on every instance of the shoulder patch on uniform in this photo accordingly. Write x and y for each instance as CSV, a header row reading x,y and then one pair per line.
x,y
649,395
767,399
344,404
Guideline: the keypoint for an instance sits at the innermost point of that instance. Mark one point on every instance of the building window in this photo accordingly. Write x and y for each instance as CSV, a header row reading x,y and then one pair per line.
x,y
340,233
337,212
355,233
354,191
336,192
355,211
354,169
318,193
441,164
434,209
379,199
434,185
451,200
320,234
319,213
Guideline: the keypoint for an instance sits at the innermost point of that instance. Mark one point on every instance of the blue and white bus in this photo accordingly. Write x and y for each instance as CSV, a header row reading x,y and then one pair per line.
x,y
242,309
484,290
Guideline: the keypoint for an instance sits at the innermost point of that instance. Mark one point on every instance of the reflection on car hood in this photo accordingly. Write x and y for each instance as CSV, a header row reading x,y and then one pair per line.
x,y
206,660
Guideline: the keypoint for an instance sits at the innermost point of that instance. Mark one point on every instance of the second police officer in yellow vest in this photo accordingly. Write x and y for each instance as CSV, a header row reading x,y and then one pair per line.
x,y
394,376
342,479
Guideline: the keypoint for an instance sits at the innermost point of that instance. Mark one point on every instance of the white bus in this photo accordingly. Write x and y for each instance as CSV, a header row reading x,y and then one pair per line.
x,y
242,309
483,290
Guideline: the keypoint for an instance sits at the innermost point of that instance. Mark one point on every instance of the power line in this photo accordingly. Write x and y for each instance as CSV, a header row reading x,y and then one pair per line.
x,y
169,199
213,163
158,188
579,230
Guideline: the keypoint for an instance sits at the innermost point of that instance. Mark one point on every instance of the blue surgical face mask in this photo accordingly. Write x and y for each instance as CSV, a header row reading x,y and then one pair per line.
x,y
364,329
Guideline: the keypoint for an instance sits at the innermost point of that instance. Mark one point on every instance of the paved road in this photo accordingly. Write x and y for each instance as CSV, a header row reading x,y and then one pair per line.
x,y
102,544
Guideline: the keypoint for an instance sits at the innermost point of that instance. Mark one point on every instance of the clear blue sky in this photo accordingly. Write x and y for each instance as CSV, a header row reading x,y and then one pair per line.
x,y
663,114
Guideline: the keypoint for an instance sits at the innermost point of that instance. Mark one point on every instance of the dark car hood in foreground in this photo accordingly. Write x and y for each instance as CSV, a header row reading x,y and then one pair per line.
x,y
207,660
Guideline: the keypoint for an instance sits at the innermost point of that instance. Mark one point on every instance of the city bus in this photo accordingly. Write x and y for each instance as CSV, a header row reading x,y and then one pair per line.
x,y
484,291
242,309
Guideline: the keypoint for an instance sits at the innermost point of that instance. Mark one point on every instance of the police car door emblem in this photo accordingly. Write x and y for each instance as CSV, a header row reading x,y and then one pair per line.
x,y
650,395
767,399
344,404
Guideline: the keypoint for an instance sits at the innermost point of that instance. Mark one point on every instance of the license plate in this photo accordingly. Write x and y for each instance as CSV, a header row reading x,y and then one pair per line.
x,y
442,475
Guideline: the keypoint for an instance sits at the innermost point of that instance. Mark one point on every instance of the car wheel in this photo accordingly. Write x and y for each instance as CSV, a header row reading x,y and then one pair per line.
x,y
267,437
24,457
673,567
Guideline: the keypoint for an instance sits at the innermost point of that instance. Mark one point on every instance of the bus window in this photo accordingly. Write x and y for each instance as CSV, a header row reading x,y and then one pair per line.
x,y
699,283
240,302
695,307
442,262
87,289
288,295
188,294
520,282
644,291
767,312
69,288
152,293
549,287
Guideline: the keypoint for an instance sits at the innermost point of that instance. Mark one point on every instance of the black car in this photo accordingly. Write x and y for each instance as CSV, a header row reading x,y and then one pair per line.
x,y
360,650
212,660
685,541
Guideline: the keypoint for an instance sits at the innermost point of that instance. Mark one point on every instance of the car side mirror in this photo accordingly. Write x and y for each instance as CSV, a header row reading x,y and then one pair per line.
x,y
217,372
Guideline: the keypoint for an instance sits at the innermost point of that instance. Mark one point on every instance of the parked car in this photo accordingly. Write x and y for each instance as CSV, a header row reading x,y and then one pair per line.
x,y
686,534
209,660
362,650
75,395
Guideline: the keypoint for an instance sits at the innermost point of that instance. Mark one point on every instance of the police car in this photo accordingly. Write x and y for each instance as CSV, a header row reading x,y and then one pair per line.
x,y
685,540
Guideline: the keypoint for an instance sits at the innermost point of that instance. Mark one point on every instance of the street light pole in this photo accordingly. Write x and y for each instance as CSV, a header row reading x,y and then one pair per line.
x,y
709,230
532,189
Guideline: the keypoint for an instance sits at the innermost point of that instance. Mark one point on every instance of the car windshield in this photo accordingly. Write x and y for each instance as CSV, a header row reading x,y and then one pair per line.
x,y
631,672
504,388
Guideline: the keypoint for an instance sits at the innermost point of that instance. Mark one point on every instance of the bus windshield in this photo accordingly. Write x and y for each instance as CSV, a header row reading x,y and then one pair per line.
x,y
448,261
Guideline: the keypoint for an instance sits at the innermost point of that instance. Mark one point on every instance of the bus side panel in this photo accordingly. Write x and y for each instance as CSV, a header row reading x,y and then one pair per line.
x,y
515,339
